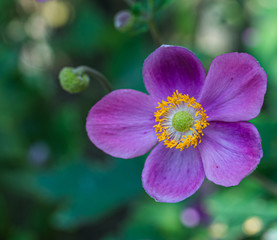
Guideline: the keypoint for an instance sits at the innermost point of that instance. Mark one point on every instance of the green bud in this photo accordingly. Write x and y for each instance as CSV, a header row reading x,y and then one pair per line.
x,y
73,80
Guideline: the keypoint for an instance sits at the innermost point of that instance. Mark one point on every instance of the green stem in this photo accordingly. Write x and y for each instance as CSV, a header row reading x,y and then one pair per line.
x,y
197,18
97,75
154,32
129,2
269,185
151,24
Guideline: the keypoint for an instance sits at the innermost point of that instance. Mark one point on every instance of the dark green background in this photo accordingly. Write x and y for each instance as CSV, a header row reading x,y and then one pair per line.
x,y
55,184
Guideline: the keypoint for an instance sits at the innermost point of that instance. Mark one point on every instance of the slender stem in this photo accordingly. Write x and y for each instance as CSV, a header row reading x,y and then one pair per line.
x,y
245,24
154,32
97,75
151,24
129,2
197,18
269,185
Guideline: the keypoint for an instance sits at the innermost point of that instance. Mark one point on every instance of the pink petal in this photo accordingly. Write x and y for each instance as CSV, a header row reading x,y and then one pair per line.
x,y
121,123
170,175
234,88
171,68
230,151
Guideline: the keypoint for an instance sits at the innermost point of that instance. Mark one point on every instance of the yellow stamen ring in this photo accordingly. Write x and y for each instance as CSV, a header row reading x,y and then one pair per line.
x,y
169,127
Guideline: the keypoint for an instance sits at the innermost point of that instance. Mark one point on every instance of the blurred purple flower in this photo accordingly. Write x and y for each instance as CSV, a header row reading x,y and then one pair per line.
x,y
195,214
250,37
38,153
190,217
127,123
123,20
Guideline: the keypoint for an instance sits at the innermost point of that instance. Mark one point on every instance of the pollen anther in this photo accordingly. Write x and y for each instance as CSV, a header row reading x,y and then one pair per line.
x,y
186,134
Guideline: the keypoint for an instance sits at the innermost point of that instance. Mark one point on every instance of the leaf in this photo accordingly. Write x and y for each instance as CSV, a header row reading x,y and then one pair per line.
x,y
232,206
160,4
84,192
159,221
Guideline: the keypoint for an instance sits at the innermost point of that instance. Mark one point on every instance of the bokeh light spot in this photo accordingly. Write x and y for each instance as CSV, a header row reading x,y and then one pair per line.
x,y
56,13
218,230
252,225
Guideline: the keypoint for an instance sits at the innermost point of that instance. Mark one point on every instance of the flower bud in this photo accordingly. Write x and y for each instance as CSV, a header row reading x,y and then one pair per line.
x,y
73,80
123,20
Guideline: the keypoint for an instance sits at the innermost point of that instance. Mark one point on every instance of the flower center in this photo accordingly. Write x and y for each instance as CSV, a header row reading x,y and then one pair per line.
x,y
180,121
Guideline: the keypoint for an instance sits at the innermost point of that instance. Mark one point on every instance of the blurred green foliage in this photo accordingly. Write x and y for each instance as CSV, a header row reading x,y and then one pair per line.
x,y
55,184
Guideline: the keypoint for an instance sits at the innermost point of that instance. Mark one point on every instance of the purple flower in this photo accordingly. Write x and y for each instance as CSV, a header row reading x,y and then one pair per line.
x,y
195,123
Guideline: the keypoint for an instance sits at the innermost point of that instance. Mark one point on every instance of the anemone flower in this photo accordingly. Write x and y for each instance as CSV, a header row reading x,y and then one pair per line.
x,y
196,124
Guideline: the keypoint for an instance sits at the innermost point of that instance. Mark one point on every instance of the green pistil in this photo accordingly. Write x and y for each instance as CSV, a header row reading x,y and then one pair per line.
x,y
182,121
